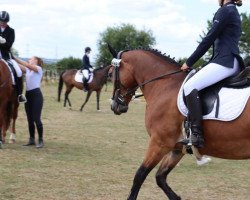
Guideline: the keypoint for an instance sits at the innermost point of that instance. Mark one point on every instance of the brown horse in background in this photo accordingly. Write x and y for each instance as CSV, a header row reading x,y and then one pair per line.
x,y
8,102
228,140
68,77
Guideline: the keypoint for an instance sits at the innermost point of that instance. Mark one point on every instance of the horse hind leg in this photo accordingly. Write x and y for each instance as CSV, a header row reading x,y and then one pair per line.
x,y
167,165
66,98
98,100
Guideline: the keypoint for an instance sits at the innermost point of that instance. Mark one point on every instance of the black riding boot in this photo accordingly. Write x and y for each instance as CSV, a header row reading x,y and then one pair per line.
x,y
40,134
85,84
19,89
195,119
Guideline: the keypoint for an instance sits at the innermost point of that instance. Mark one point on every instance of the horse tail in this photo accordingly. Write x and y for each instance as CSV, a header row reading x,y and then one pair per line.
x,y
60,86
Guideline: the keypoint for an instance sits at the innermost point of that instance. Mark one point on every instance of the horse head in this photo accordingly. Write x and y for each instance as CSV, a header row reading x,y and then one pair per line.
x,y
123,81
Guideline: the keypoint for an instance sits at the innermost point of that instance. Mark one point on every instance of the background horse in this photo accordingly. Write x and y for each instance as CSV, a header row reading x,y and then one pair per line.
x,y
7,100
68,77
229,140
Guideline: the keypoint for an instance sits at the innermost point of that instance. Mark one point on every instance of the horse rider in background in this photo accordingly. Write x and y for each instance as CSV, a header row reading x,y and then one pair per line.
x,y
87,69
7,38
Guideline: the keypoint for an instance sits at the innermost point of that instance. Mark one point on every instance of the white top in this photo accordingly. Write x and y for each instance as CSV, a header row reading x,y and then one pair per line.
x,y
33,79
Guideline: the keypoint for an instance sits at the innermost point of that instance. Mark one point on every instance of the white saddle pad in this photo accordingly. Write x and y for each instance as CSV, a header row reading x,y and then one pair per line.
x,y
79,76
232,103
12,75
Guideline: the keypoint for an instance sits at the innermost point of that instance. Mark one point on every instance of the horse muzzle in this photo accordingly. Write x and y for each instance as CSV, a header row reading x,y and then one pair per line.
x,y
118,108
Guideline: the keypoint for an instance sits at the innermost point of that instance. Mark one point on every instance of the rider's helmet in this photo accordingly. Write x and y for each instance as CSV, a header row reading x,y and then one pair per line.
x,y
238,2
87,49
4,17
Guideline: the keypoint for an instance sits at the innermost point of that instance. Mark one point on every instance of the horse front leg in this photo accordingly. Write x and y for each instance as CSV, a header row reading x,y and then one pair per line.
x,y
3,133
12,138
168,163
86,100
155,153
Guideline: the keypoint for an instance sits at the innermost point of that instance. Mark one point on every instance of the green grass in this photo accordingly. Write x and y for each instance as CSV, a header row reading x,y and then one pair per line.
x,y
93,155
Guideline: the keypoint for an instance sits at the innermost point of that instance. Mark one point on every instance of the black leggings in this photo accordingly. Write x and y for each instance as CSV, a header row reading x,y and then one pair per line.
x,y
33,108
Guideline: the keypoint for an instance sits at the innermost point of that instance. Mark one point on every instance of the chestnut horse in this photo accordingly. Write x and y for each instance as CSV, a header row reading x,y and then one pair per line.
x,y
8,102
68,77
136,68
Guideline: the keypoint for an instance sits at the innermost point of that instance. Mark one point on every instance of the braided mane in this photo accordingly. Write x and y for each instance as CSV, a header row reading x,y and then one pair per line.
x,y
160,54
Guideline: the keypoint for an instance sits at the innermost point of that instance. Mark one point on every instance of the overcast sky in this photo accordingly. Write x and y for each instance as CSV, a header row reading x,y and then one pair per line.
x,y
62,28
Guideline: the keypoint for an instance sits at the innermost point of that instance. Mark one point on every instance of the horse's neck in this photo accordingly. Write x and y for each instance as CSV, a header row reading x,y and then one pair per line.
x,y
102,74
170,84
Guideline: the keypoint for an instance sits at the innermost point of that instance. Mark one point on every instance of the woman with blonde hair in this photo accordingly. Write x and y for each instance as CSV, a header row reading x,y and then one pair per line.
x,y
33,106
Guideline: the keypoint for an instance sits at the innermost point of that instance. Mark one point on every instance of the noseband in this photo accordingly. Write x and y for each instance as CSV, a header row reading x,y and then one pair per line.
x,y
117,96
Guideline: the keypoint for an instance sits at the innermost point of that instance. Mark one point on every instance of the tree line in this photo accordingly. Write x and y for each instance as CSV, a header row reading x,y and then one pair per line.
x,y
126,36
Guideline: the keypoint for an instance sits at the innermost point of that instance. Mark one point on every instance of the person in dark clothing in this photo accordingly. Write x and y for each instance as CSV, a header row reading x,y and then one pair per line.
x,y
34,104
86,69
224,36
7,38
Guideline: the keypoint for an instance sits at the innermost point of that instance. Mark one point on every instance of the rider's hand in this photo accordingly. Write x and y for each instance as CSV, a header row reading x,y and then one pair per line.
x,y
185,67
2,40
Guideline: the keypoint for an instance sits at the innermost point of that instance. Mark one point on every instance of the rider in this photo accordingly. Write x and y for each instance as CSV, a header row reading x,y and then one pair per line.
x,y
224,36
7,38
86,69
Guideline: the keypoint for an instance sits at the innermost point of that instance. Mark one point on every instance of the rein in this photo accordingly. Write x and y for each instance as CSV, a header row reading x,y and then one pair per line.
x,y
132,91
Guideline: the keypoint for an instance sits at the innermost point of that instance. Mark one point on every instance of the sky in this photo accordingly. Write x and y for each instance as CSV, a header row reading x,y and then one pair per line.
x,y
60,28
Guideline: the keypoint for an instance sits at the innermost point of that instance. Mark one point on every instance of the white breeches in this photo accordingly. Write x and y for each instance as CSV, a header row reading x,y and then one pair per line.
x,y
17,68
86,73
209,75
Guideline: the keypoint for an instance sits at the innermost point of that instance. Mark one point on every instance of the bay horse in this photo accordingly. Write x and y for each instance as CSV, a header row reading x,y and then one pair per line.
x,y
8,102
68,77
163,120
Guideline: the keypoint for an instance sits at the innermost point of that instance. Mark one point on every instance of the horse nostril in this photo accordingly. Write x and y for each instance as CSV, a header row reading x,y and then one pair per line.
x,y
122,108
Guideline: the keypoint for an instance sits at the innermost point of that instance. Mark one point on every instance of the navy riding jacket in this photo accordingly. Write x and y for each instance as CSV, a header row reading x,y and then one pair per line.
x,y
9,35
86,63
224,36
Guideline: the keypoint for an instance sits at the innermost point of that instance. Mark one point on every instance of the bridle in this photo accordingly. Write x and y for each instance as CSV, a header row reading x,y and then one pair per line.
x,y
117,96
120,98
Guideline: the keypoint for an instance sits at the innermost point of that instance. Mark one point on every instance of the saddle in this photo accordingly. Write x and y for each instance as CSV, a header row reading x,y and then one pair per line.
x,y
210,95
79,76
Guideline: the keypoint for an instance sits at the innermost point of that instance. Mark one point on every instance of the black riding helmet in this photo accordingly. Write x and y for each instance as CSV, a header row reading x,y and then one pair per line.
x,y
87,49
4,17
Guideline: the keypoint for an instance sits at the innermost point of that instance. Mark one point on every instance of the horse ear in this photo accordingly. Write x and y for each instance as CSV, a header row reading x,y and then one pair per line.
x,y
112,51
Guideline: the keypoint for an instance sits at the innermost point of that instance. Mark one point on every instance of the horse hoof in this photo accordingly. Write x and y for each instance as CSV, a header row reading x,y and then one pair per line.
x,y
1,145
99,110
12,141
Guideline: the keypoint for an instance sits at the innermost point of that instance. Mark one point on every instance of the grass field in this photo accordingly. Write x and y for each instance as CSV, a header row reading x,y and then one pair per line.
x,y
93,155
